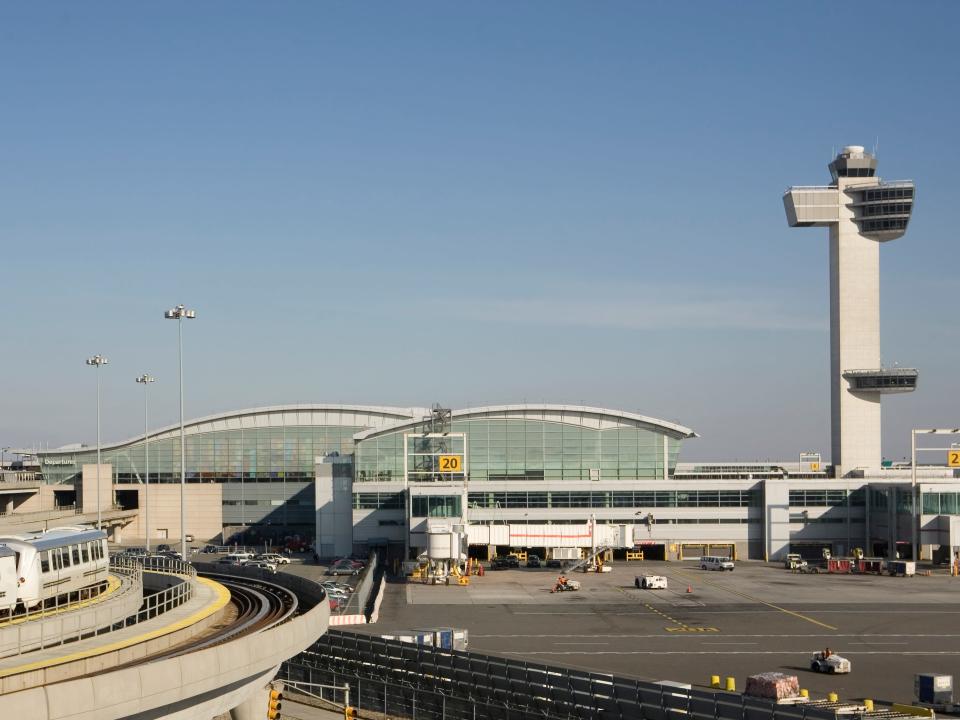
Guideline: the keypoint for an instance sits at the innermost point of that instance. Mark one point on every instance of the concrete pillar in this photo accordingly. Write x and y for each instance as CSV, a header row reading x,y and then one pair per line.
x,y
254,707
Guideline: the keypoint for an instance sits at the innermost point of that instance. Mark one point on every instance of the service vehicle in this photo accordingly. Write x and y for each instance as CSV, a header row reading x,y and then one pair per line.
x,y
794,561
533,561
569,586
651,582
716,562
828,662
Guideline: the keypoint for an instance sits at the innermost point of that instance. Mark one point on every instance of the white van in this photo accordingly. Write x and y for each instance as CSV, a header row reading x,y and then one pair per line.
x,y
716,562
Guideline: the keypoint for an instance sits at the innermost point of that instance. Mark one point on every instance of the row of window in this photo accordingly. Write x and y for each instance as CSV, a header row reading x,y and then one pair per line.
x,y
855,172
946,503
269,501
802,518
553,471
216,477
377,501
875,225
884,381
68,555
827,498
889,194
891,209
616,498
444,506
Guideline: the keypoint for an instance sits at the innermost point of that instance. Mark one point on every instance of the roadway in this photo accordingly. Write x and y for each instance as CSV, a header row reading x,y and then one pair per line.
x,y
755,619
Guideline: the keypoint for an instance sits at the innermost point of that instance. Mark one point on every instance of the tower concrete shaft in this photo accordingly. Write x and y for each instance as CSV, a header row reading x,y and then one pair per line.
x,y
860,211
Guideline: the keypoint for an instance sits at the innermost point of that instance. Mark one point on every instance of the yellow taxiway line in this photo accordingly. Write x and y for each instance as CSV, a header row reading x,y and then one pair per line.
x,y
700,578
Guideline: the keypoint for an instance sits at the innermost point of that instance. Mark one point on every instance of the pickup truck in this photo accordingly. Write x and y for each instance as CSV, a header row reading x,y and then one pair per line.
x,y
650,582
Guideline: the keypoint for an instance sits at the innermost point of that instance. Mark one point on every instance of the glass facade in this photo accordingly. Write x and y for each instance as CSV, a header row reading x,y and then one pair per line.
x,y
616,499
437,506
945,503
246,454
827,498
508,449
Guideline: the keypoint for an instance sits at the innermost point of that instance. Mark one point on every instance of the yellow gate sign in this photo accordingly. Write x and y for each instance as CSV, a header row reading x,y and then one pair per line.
x,y
953,458
450,463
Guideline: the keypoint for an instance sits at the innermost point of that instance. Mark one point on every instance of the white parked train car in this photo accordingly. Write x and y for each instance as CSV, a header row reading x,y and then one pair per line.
x,y
8,578
57,561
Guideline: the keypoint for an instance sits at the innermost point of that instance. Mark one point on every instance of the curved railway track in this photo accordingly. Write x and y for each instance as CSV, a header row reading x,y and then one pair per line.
x,y
260,605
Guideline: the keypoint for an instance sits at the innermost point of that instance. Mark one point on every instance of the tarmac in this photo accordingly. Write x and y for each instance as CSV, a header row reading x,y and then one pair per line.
x,y
758,618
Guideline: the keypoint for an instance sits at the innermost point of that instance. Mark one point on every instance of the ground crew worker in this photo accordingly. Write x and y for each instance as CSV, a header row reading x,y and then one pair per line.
x,y
561,583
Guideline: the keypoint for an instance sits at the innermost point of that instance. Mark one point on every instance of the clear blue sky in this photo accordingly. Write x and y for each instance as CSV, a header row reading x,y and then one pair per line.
x,y
408,203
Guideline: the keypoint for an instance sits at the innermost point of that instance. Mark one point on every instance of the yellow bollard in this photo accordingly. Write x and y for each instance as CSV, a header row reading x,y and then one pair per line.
x,y
804,692
868,704
833,697
731,684
715,681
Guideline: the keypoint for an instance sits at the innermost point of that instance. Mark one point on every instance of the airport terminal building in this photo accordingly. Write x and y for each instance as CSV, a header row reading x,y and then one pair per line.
x,y
532,476
556,477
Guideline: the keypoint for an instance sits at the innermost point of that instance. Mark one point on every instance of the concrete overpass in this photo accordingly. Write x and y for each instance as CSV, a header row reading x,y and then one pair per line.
x,y
197,647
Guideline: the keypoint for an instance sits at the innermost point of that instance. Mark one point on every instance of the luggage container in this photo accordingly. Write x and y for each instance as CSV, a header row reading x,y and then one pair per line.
x,y
415,637
839,565
870,565
906,568
933,689
448,638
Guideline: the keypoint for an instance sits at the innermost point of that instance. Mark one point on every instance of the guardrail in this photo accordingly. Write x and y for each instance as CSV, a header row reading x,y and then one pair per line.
x,y
72,616
406,680
167,565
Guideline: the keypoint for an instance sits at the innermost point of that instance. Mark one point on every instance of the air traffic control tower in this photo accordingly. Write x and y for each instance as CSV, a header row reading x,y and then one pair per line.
x,y
861,212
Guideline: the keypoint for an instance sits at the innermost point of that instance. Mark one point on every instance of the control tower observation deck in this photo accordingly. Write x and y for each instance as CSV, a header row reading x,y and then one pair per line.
x,y
861,212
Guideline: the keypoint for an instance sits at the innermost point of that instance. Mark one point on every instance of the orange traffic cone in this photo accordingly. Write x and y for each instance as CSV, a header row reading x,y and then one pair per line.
x,y
689,588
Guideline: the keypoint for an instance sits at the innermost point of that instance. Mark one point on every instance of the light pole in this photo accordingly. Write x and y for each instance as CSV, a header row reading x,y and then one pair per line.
x,y
179,313
145,380
98,361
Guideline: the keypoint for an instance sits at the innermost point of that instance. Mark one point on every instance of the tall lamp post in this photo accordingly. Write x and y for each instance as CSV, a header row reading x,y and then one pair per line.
x,y
145,380
98,361
179,313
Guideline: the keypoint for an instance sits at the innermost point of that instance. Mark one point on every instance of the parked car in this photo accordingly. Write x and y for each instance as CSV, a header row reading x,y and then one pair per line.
x,y
163,547
505,562
554,563
263,565
229,562
342,570
339,587
209,549
358,564
533,561
275,558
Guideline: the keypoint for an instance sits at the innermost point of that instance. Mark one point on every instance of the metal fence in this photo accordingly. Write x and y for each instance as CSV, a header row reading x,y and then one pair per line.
x,y
83,614
406,680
